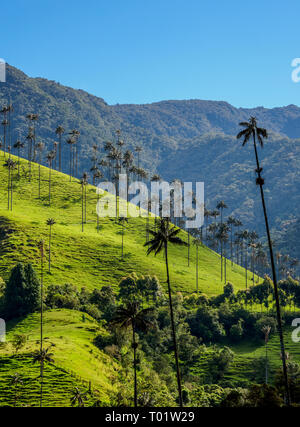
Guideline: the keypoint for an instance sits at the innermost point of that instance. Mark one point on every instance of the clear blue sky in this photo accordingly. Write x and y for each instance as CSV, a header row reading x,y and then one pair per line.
x,y
140,51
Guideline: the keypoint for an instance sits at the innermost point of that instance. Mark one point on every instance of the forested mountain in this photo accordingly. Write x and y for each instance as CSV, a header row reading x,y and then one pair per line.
x,y
190,140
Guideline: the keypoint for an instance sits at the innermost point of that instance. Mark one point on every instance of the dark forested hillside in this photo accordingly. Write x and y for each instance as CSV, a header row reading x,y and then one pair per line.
x,y
190,140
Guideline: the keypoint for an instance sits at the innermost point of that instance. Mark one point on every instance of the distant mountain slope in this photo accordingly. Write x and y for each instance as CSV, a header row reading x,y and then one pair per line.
x,y
191,140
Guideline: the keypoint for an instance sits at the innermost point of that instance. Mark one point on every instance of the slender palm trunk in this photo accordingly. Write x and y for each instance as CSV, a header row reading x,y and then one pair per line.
x,y
59,154
188,248
50,167
40,161
134,363
279,321
173,328
8,189
70,162
82,207
50,249
42,380
231,250
11,190
41,330
197,271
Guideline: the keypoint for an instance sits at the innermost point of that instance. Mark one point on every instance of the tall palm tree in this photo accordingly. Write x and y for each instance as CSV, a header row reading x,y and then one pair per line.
x,y
40,147
41,248
197,242
71,142
50,158
33,118
4,111
231,222
122,221
162,237
59,131
78,398
221,206
42,356
18,146
50,222
258,135
222,236
16,381
75,136
266,329
132,316
11,165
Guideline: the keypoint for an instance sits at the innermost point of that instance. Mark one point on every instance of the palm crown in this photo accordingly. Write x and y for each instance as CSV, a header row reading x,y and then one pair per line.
x,y
164,234
251,129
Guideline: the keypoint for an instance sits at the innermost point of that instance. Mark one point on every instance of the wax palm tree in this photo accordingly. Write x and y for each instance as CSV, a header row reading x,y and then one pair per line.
x,y
123,221
59,131
71,142
197,242
231,223
138,149
50,222
162,237
83,182
18,146
222,236
207,214
132,316
40,147
78,398
16,381
42,357
10,110
221,206
11,165
266,329
50,158
4,123
251,130
42,252
75,136
32,118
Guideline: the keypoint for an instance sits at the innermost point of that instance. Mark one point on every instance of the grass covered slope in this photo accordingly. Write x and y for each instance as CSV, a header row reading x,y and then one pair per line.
x,y
70,335
89,258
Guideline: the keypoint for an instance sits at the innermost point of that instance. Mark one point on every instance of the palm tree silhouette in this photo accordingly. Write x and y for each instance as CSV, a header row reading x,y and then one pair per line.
x,y
42,356
78,398
50,222
259,134
59,131
164,235
132,316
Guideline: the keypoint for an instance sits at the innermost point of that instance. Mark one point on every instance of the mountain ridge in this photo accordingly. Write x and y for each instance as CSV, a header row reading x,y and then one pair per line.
x,y
189,139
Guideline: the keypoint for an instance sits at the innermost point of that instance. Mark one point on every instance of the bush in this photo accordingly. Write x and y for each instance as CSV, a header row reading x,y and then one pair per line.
x,y
22,293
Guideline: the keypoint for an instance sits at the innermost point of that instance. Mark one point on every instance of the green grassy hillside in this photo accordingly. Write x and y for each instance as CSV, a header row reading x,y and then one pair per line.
x,y
76,360
89,258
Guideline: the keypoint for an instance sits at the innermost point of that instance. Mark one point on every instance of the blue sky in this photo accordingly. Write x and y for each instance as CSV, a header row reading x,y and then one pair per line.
x,y
141,51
